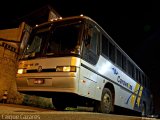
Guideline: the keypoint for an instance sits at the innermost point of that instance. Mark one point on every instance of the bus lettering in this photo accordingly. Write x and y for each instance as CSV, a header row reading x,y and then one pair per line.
x,y
124,83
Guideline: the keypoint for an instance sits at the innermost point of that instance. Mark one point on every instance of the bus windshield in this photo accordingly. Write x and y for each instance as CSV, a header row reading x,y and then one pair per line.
x,y
54,40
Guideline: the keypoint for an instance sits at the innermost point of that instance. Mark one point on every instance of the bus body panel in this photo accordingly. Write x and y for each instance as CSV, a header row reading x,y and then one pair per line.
x,y
126,89
94,77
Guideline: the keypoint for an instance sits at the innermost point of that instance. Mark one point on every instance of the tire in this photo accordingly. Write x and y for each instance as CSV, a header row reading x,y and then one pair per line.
x,y
106,103
59,104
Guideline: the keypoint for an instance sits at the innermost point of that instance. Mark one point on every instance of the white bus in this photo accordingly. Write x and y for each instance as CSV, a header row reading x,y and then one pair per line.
x,y
74,61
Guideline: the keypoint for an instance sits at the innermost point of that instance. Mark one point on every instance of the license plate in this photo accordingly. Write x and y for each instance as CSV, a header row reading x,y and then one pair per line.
x,y
38,81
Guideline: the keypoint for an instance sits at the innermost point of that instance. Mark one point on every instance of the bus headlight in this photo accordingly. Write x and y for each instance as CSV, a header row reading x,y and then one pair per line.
x,y
20,71
66,68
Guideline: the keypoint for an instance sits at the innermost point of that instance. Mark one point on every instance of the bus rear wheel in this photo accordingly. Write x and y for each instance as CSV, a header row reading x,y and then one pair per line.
x,y
106,103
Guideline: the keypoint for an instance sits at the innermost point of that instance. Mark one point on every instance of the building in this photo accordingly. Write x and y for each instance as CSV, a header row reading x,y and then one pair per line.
x,y
10,45
46,13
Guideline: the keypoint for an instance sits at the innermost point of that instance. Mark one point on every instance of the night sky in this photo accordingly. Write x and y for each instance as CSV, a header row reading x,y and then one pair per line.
x,y
120,19
134,26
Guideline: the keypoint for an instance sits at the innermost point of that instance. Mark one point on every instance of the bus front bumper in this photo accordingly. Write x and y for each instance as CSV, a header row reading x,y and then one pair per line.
x,y
46,84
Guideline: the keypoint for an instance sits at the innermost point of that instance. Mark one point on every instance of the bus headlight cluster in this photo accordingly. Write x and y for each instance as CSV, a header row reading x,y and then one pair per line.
x,y
21,71
66,68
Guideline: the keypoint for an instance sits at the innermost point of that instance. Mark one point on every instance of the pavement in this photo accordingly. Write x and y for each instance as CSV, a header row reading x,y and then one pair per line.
x,y
21,112
20,108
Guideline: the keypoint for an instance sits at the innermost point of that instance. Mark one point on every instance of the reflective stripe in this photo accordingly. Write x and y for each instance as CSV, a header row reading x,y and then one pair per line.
x,y
133,98
139,96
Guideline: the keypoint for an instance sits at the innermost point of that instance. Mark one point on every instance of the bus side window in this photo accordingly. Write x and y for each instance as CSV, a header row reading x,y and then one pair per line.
x,y
119,58
140,78
91,45
124,62
130,70
137,75
91,40
105,46
112,52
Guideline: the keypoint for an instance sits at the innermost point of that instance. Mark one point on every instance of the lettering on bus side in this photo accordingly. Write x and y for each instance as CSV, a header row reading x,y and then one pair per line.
x,y
124,83
121,81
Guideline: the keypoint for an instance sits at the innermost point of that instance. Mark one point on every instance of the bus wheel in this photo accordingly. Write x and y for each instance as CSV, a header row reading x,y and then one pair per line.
x,y
106,103
58,104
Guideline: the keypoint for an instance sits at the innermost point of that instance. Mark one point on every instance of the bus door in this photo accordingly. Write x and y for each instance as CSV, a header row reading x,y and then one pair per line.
x,y
90,55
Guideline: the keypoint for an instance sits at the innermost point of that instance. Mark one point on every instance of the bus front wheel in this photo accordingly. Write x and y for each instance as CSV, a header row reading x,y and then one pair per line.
x,y
106,103
59,104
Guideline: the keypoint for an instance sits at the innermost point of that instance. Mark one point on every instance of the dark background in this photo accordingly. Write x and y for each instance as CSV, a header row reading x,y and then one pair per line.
x,y
134,26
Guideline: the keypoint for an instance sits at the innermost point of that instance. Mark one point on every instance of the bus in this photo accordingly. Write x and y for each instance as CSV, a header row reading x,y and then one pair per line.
x,y
75,62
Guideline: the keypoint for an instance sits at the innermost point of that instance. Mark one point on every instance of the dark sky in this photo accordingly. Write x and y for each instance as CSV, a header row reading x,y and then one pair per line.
x,y
119,19
134,26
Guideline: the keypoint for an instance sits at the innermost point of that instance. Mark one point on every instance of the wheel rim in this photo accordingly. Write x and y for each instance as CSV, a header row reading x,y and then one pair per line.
x,y
107,102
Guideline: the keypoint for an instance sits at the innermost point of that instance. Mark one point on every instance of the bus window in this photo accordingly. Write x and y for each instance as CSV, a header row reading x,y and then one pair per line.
x,y
137,74
130,69
111,52
63,38
35,46
140,77
36,43
119,58
90,51
105,45
123,62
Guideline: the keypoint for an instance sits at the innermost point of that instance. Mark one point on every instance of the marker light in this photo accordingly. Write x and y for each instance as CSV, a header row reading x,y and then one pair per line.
x,y
81,15
66,69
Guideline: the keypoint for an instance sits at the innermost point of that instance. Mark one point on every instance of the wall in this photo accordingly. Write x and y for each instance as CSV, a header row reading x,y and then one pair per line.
x,y
8,68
